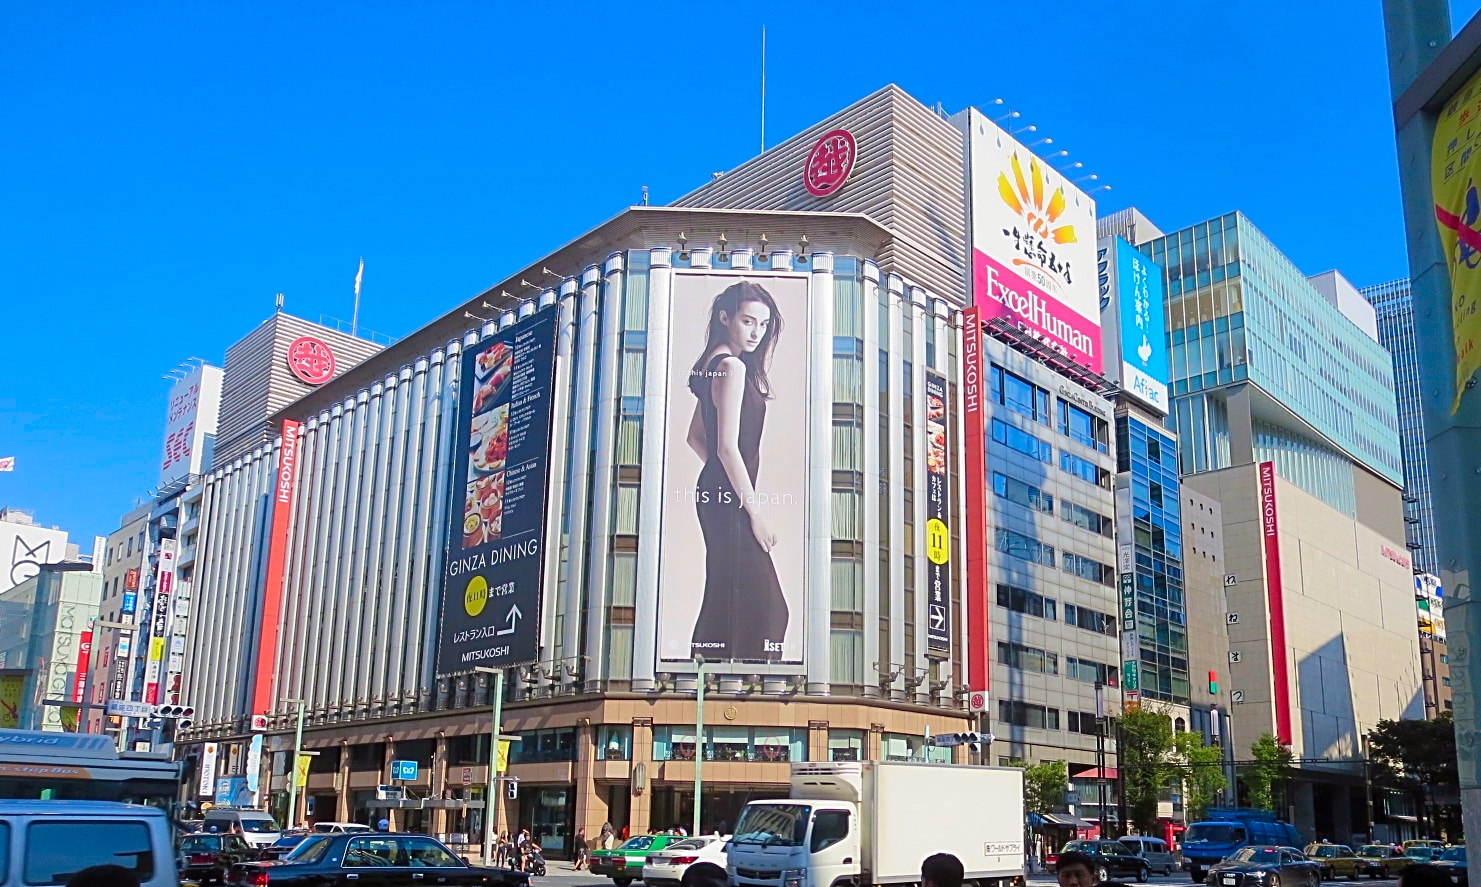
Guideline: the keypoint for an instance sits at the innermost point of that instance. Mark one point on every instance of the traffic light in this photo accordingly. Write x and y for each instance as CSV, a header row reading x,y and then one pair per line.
x,y
1213,683
182,715
511,789
970,738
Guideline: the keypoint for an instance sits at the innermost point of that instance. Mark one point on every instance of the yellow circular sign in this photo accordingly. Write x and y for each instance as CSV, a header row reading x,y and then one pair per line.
x,y
938,541
476,596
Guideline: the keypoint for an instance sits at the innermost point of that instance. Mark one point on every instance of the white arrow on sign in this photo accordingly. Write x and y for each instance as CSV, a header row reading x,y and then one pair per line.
x,y
938,617
513,618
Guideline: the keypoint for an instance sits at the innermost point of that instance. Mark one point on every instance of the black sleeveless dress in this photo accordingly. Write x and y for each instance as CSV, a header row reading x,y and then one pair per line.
x,y
744,614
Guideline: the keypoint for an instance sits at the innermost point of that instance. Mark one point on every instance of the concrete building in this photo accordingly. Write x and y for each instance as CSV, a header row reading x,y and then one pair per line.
x,y
26,545
123,567
354,495
1284,408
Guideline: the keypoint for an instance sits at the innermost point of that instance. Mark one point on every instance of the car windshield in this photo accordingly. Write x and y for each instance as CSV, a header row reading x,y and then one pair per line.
x,y
1080,846
310,850
1454,854
1213,833
690,844
1420,852
642,842
773,825
258,826
1324,851
291,841
1257,855
199,844
1374,851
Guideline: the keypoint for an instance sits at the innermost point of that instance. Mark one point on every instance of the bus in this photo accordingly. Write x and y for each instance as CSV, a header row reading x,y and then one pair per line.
x,y
37,765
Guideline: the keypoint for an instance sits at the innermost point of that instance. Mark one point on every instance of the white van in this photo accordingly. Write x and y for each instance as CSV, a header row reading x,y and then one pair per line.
x,y
1153,851
255,826
47,842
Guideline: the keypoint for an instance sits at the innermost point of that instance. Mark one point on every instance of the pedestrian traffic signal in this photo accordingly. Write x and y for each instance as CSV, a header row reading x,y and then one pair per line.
x,y
511,789
1213,683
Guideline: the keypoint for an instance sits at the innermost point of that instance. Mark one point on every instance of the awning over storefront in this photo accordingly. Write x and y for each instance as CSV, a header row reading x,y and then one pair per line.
x,y
1110,773
424,804
1067,821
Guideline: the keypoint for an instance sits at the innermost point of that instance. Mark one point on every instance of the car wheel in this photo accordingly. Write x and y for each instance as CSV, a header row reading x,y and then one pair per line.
x,y
1196,874
622,882
1274,881
1101,875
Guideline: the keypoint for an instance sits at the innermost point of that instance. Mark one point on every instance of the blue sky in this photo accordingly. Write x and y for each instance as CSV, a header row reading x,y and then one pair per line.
x,y
169,167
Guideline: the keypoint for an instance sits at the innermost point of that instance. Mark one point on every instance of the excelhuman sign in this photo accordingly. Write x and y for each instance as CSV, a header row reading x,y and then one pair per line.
x,y
1033,243
492,574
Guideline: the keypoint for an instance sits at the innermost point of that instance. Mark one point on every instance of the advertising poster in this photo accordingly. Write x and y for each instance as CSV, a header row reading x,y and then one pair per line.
x,y
12,688
1033,244
938,533
208,770
1135,323
159,619
1455,163
491,580
732,565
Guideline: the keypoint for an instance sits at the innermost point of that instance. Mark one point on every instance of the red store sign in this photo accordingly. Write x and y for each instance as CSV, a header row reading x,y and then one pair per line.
x,y
830,163
311,360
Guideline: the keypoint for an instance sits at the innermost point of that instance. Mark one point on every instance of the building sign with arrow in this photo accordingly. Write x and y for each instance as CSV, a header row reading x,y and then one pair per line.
x,y
495,545
1133,324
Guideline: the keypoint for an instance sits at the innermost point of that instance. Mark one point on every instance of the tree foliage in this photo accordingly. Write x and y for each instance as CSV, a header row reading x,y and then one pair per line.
x,y
1411,754
1202,772
1271,761
1044,786
1147,764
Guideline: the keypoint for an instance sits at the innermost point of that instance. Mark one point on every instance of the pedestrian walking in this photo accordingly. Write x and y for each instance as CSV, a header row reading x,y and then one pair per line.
x,y
579,849
941,870
605,838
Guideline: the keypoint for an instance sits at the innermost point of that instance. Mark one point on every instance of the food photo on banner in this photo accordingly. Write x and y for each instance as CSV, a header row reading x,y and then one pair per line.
x,y
938,534
492,574
732,580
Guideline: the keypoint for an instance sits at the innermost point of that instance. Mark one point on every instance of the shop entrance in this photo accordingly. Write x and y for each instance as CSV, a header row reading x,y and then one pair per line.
x,y
549,812
673,805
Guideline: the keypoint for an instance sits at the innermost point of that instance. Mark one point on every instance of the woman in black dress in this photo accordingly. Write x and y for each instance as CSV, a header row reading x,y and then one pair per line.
x,y
744,613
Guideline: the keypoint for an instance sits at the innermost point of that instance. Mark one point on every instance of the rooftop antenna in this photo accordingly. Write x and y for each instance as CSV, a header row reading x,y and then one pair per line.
x,y
763,89
279,302
355,318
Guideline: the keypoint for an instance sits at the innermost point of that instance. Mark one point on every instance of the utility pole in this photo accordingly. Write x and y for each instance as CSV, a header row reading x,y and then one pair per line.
x,y
293,774
491,802
699,737
1100,753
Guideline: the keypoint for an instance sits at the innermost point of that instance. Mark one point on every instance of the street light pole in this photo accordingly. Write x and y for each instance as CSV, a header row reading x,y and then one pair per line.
x,y
699,738
293,774
491,808
1100,753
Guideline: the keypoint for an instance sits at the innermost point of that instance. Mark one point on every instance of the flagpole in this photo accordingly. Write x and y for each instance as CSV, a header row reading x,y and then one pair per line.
x,y
355,318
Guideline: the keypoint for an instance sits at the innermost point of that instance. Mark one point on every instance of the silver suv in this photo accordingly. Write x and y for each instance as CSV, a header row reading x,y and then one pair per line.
x,y
47,842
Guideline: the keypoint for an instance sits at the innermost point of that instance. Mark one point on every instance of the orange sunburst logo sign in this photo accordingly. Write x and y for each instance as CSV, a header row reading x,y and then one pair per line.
x,y
1025,196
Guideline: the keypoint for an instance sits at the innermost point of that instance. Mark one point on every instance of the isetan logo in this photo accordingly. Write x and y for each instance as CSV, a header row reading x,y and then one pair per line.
x,y
1397,557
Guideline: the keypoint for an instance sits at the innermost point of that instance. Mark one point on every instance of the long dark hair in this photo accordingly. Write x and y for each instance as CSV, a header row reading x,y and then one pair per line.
x,y
730,300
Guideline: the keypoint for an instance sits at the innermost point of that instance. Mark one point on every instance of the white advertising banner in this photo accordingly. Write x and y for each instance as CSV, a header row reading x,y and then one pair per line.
x,y
207,786
159,620
1033,243
190,422
24,548
732,570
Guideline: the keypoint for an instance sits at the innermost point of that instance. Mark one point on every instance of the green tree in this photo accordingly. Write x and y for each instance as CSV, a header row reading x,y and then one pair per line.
x,y
1145,758
1202,772
1271,761
1419,756
1044,786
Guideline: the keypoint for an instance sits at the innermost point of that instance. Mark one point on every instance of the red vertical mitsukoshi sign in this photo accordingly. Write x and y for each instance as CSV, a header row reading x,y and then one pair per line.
x,y
1275,595
979,616
277,556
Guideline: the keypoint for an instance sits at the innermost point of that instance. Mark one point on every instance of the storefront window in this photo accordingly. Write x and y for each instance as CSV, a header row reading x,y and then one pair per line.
x,y
845,745
544,745
732,743
614,742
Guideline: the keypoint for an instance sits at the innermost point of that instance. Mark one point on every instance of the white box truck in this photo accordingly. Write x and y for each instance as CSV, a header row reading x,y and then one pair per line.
x,y
865,823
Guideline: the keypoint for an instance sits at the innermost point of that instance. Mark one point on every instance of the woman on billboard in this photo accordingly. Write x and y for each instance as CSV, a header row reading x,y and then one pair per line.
x,y
744,613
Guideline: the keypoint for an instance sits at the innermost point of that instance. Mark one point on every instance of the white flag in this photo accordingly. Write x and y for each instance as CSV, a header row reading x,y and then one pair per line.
x,y
359,275
7,463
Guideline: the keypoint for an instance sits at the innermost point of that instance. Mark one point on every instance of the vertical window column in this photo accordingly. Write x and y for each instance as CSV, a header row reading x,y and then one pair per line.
x,y
917,600
617,663
873,493
654,402
581,594
820,461
897,480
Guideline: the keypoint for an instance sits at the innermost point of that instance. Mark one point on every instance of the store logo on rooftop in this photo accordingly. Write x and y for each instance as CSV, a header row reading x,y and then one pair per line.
x,y
830,163
311,360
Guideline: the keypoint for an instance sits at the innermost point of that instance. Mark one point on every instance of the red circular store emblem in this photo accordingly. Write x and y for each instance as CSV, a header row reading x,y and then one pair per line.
x,y
311,360
829,164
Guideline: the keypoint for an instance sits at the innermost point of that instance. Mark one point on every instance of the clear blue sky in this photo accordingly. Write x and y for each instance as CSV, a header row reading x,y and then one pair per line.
x,y
168,167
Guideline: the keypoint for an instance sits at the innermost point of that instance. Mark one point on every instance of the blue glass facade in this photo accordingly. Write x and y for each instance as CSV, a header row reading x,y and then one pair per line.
x,y
1239,310
1148,455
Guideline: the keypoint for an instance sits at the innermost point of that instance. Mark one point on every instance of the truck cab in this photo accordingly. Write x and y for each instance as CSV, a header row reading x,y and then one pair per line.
x,y
1225,831
812,843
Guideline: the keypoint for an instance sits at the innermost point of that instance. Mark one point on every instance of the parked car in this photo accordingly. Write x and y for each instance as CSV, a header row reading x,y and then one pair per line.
x,y
1425,842
47,842
624,864
1266,866
1114,858
373,860
255,826
1453,861
1383,860
340,828
1153,850
1338,861
1226,830
666,867
282,846
206,859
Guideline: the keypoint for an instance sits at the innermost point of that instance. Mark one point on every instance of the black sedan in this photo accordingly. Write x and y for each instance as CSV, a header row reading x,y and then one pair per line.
x,y
1266,866
205,858
371,860
1113,859
1453,861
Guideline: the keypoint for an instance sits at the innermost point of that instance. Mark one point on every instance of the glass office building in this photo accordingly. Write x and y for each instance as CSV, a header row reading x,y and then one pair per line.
x,y
1394,305
1238,310
1147,465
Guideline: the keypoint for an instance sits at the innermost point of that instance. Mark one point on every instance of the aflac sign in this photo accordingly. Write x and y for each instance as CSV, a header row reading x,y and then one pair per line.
x,y
1132,304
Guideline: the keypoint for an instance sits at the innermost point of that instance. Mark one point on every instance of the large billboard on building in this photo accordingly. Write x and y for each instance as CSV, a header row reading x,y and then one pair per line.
x,y
190,424
159,620
938,532
1133,322
1429,597
24,548
1033,243
732,566
1455,165
496,536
